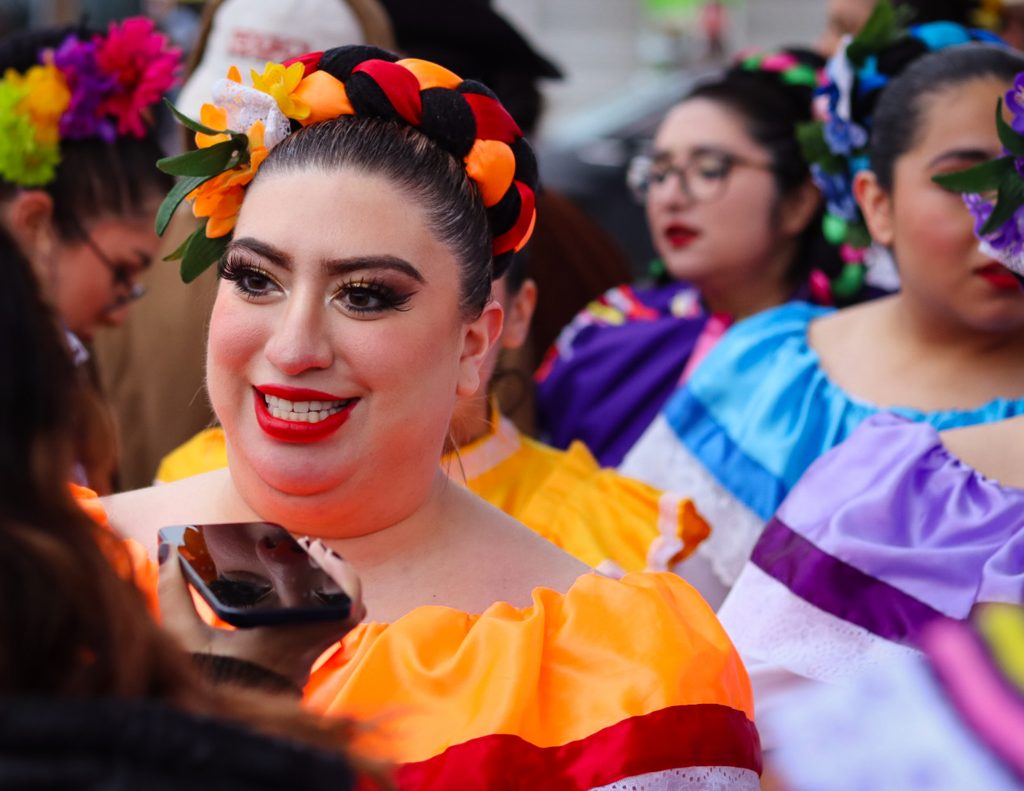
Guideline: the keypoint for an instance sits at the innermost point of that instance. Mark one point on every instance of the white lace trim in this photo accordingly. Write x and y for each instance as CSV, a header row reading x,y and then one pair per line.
x,y
693,778
660,459
773,628
245,106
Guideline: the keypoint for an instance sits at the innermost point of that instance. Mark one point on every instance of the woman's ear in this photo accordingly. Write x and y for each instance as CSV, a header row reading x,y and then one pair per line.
x,y
876,206
519,315
477,339
799,208
29,218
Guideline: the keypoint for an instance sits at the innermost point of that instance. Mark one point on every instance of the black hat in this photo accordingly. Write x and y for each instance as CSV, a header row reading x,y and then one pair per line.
x,y
467,36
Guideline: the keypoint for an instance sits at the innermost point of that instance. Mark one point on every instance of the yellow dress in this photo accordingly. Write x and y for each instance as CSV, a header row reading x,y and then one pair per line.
x,y
608,521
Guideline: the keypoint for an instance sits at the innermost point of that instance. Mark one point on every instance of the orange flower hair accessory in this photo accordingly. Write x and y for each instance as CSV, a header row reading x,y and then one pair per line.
x,y
461,116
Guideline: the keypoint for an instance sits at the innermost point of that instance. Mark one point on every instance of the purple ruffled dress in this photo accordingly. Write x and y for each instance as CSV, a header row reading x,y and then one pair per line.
x,y
882,535
614,367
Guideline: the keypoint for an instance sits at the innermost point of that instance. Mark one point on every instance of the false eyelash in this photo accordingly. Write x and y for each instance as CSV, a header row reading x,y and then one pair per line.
x,y
389,297
232,269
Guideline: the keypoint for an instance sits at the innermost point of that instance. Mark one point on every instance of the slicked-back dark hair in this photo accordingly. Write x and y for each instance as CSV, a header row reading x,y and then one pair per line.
x,y
898,116
433,178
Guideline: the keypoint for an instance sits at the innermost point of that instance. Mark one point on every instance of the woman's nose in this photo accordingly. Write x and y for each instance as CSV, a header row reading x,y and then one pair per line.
x,y
300,339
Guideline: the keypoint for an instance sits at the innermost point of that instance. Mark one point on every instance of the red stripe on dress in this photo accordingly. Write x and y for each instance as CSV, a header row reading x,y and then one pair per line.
x,y
673,738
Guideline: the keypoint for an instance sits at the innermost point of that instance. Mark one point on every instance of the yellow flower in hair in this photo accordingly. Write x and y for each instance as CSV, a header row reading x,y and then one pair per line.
x,y
46,98
281,82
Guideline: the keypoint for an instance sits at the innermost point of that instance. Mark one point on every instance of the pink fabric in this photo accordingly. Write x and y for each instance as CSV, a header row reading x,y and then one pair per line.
x,y
712,334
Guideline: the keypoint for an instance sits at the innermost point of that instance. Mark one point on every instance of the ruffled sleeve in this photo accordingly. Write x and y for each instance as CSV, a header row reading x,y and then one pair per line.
x,y
204,452
753,417
614,680
609,521
615,365
885,534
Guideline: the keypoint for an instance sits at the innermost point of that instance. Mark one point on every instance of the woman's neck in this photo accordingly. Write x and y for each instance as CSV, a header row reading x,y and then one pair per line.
x,y
930,331
471,419
765,289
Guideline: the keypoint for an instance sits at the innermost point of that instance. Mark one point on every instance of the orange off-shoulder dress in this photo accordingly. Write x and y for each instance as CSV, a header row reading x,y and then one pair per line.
x,y
615,684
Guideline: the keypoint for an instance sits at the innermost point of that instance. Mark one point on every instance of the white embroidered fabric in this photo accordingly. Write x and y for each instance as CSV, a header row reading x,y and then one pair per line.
x,y
693,778
245,106
660,459
770,624
892,729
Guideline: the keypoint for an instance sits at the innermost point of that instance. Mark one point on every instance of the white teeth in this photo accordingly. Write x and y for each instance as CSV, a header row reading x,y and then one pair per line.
x,y
303,411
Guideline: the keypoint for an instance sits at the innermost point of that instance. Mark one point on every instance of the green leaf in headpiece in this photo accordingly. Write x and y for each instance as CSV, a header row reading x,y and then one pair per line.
x,y
201,252
1009,200
814,147
1012,141
171,202
208,161
886,25
188,123
981,178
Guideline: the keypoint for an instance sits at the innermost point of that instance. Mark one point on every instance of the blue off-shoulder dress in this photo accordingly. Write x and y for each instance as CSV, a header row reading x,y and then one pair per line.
x,y
747,425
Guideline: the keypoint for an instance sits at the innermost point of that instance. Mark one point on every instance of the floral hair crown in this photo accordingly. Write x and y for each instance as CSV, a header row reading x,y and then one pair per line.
x,y
236,133
836,146
998,223
96,87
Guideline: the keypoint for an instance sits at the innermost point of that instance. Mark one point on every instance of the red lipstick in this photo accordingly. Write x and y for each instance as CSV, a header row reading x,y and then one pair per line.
x,y
679,236
999,276
293,430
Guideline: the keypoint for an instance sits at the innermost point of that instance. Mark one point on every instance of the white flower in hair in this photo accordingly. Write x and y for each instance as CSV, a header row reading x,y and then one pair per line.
x,y
245,106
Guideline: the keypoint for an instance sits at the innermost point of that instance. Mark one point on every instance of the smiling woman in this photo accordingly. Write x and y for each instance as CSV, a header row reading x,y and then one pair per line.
x,y
356,287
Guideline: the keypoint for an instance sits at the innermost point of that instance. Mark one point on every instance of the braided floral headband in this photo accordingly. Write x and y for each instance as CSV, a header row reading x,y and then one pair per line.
x,y
98,87
237,132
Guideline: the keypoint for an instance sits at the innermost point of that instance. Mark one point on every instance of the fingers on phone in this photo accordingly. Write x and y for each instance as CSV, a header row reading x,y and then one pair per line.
x,y
176,608
339,570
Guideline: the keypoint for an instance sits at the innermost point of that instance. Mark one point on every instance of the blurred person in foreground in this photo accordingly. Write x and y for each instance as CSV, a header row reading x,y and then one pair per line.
x,y
76,189
93,694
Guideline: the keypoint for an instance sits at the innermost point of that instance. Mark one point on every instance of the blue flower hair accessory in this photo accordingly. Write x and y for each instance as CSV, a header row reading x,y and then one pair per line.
x,y
994,190
836,146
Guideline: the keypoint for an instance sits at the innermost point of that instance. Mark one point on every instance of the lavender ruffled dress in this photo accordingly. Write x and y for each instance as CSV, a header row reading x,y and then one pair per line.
x,y
882,535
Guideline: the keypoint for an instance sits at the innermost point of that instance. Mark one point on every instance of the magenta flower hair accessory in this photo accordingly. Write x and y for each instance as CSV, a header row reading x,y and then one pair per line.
x,y
994,191
143,68
87,88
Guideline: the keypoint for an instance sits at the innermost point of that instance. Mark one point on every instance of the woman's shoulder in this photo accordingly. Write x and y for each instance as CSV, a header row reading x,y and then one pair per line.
x,y
893,507
140,514
607,662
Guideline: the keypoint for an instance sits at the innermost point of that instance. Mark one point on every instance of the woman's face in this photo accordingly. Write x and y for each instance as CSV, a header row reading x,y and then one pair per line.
x,y
90,280
337,349
723,231
929,228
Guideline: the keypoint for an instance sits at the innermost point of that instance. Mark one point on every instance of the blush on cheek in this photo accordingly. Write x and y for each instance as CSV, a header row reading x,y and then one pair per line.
x,y
235,343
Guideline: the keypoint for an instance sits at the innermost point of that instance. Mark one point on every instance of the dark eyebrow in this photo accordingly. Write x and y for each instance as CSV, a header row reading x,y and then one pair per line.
x,y
660,155
343,266
961,155
263,250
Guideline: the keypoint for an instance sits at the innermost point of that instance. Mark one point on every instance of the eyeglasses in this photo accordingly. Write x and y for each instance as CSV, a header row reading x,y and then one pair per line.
x,y
702,177
122,275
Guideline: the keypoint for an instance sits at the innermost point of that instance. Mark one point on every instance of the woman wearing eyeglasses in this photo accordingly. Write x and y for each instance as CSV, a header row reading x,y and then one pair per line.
x,y
78,191
735,219
787,386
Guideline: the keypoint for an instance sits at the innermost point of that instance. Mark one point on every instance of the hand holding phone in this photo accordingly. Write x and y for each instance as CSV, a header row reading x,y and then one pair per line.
x,y
293,601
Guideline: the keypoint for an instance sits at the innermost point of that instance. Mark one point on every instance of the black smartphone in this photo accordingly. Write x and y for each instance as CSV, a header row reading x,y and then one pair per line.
x,y
256,574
